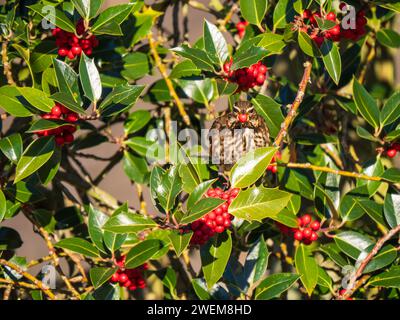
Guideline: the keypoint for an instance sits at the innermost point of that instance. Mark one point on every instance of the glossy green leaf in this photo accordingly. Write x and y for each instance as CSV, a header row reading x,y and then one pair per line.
x,y
257,203
257,260
352,243
96,221
387,279
78,245
3,205
332,60
185,68
253,11
180,241
389,38
169,188
142,252
199,192
284,13
128,222
200,90
366,105
87,8
215,43
391,109
55,16
67,80
392,208
109,20
197,56
307,45
44,124
12,147
201,208
136,66
135,168
306,267
274,285
392,174
270,110
382,259
136,121
100,275
214,257
249,168
34,157
37,98
113,240
90,78
10,102
248,57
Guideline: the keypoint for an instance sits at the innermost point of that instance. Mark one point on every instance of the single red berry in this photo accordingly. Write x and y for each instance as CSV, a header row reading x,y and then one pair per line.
x,y
274,169
59,140
219,229
331,16
68,138
260,79
315,225
227,67
262,69
76,50
123,278
307,14
242,117
63,52
306,219
240,26
313,236
72,117
335,30
307,233
56,111
298,235
115,277
70,55
299,222
391,153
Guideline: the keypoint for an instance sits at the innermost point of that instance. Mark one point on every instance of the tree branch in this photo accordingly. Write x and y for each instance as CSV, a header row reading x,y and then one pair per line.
x,y
297,101
352,282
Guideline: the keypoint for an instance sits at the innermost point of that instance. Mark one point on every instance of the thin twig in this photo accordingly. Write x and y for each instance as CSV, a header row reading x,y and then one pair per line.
x,y
352,282
293,110
163,71
6,64
30,277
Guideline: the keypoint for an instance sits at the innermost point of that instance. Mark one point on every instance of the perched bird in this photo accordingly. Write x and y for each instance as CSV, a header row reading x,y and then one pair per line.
x,y
235,133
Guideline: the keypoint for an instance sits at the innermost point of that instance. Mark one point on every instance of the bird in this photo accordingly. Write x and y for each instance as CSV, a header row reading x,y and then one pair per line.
x,y
235,133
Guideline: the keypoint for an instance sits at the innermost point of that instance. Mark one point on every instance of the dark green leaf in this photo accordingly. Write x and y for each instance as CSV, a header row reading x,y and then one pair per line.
x,y
96,221
388,38
215,43
197,56
142,252
180,241
248,57
391,110
366,105
127,222
12,147
306,267
270,110
53,15
332,60
78,245
37,98
100,275
274,285
90,78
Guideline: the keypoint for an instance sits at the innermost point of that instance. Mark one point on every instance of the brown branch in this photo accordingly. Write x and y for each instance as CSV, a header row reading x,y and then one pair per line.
x,y
6,64
30,277
312,167
163,71
332,155
19,283
297,101
352,282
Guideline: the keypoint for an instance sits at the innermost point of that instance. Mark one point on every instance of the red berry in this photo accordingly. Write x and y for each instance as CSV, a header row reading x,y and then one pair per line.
x,y
307,14
274,169
315,225
219,220
115,277
123,278
71,55
227,67
242,117
76,50
240,26
313,236
306,219
56,111
72,117
298,235
219,229
59,140
262,69
307,233
63,52
68,138
299,222
260,79
335,30
391,153
331,16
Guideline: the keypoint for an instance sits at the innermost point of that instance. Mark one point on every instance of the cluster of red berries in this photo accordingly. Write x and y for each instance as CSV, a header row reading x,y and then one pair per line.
x,y
131,279
337,32
216,221
307,231
274,169
393,149
246,78
71,45
241,28
64,134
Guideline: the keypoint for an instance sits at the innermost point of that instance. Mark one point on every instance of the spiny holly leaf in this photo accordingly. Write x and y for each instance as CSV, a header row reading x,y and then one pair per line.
x,y
251,167
249,57
306,267
197,56
257,203
214,257
53,15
